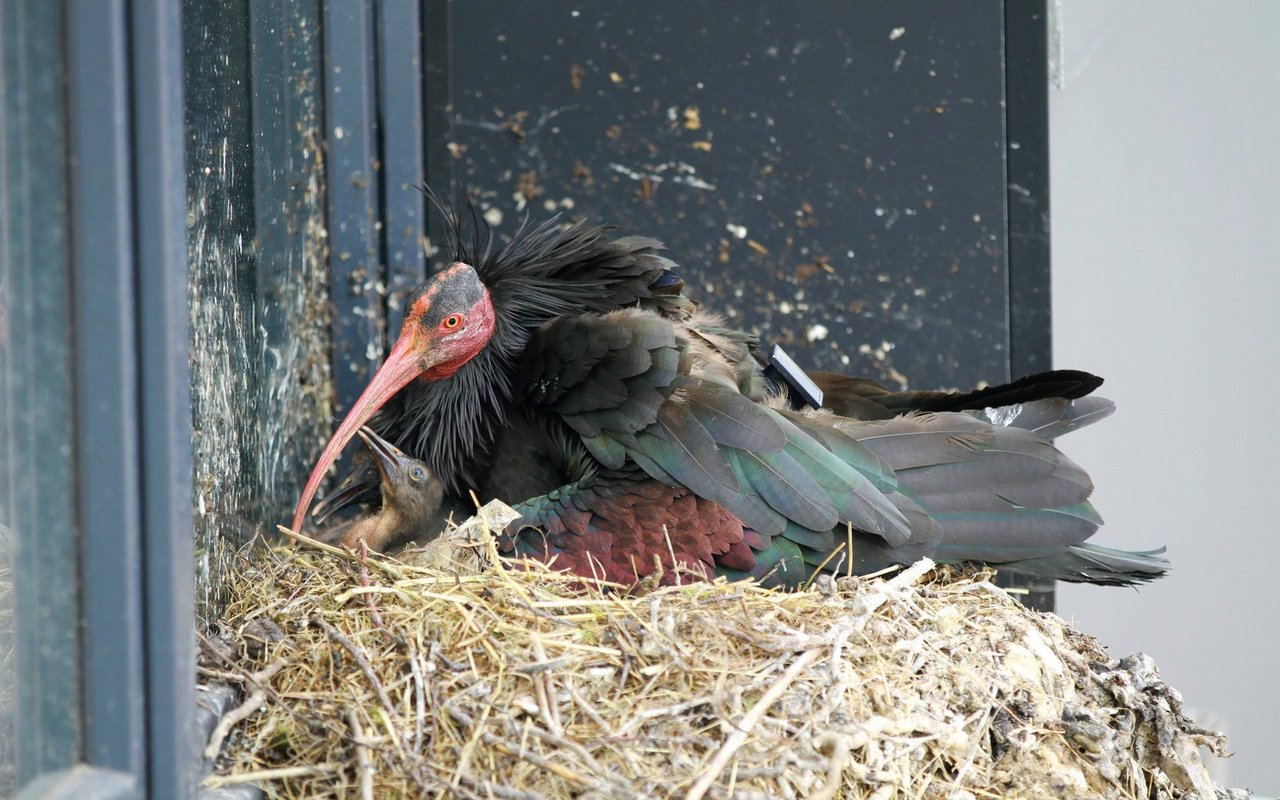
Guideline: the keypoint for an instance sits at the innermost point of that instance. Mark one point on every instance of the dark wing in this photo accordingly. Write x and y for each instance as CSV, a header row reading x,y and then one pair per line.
x,y
640,390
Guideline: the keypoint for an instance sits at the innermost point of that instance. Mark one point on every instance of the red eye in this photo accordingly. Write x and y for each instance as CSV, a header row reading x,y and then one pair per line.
x,y
452,321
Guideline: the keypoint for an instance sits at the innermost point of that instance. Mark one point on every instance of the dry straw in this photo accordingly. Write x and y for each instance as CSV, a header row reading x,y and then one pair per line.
x,y
422,677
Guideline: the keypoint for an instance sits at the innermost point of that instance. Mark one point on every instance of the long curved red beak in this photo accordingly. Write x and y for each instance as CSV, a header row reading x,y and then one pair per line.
x,y
406,362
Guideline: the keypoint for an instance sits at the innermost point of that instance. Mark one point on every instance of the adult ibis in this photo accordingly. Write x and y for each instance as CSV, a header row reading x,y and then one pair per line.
x,y
567,373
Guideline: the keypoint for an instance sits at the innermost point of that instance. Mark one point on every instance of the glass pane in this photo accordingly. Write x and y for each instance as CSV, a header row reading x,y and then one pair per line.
x,y
256,250
39,691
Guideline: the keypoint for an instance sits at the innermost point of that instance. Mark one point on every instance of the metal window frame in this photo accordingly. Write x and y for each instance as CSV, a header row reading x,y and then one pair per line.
x,y
36,422
1026,67
130,531
375,128
402,150
1026,142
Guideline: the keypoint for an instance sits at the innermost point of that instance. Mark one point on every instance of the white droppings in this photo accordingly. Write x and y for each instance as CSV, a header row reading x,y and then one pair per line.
x,y
738,231
878,353
896,34
493,216
684,174
1004,415
816,333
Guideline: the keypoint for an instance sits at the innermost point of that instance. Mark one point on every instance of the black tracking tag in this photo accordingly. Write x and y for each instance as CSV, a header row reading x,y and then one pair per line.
x,y
801,388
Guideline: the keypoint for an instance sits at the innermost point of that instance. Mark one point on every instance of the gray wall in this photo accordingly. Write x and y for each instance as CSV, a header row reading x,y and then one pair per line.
x,y
1166,248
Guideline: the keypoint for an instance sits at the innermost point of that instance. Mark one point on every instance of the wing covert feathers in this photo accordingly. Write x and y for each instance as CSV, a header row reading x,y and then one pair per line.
x,y
650,393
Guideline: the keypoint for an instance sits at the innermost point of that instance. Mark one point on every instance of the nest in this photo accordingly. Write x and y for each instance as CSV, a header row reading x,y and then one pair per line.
x,y
422,677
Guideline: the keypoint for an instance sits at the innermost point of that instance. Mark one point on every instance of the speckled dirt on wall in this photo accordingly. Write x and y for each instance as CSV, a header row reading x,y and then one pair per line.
x,y
829,175
258,286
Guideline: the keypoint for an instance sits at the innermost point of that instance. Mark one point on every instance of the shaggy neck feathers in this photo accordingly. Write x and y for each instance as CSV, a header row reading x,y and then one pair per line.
x,y
544,272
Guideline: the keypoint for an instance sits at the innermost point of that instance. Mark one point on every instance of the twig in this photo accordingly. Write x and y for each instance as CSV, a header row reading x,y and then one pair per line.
x,y
345,555
546,697
978,741
813,576
641,717
498,790
242,712
364,768
374,613
836,748
361,660
220,674
911,575
749,720
420,699
514,749
218,781
605,728
240,676
232,718
560,743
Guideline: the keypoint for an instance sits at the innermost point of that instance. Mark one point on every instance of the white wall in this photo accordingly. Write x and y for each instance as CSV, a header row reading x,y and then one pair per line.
x,y
1166,278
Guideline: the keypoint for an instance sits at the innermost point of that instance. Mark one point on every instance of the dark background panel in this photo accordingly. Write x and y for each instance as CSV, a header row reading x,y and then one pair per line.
x,y
829,174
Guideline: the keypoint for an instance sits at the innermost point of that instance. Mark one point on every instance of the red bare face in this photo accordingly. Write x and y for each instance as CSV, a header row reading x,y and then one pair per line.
x,y
450,320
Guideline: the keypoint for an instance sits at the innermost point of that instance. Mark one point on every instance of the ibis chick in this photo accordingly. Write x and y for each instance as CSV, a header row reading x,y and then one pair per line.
x,y
412,508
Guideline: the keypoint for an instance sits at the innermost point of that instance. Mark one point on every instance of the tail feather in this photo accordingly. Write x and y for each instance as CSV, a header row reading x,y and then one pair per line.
x,y
1026,532
1091,563
1032,475
971,476
999,492
1050,417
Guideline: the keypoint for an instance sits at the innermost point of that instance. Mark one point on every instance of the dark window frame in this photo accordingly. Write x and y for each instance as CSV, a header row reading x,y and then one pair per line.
x,y
133,731
1026,158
